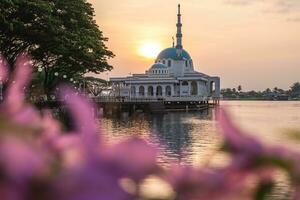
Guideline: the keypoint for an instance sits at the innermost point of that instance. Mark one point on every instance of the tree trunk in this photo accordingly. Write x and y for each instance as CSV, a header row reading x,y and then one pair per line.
x,y
46,84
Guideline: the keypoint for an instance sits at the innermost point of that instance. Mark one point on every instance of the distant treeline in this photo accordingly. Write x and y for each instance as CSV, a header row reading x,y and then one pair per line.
x,y
268,94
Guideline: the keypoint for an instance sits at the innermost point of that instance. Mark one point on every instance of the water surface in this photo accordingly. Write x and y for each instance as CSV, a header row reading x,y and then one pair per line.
x,y
193,138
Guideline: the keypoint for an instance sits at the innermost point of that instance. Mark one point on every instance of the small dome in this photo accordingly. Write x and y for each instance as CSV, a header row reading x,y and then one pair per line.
x,y
159,66
171,53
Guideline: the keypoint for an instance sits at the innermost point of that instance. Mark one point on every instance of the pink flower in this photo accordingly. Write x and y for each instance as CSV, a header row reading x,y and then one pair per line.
x,y
83,118
134,158
78,166
235,138
191,183
3,70
21,159
13,104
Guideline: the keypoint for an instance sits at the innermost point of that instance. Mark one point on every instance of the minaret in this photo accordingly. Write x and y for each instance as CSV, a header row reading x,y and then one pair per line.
x,y
179,32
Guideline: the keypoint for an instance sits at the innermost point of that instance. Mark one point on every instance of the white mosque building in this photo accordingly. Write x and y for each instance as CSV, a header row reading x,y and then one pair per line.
x,y
171,77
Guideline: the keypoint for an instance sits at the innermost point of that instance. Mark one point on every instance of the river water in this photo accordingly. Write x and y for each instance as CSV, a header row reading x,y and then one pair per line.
x,y
193,138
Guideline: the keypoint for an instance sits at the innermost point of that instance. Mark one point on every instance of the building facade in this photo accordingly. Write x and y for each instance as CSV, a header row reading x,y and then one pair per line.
x,y
171,77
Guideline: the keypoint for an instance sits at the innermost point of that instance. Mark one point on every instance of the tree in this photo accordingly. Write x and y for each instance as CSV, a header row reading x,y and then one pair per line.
x,y
295,90
268,90
95,85
239,88
61,36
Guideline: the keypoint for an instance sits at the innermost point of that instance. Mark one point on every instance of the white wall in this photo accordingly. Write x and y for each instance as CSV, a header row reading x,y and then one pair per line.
x,y
177,68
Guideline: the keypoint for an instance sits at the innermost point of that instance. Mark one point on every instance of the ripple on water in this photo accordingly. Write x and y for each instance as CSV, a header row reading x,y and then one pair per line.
x,y
192,138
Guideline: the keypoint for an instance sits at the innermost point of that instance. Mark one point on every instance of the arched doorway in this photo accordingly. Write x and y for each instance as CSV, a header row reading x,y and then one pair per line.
x,y
150,91
159,91
132,91
212,87
141,91
194,88
184,89
168,91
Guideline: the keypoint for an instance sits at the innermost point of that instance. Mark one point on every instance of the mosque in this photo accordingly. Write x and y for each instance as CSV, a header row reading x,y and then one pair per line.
x,y
172,77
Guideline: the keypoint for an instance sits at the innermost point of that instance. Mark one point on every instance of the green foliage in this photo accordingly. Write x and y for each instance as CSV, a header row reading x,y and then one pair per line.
x,y
267,94
263,190
95,85
62,36
295,90
239,88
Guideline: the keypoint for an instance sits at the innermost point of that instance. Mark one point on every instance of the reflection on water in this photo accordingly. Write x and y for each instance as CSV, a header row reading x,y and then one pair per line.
x,y
181,136
192,138
267,120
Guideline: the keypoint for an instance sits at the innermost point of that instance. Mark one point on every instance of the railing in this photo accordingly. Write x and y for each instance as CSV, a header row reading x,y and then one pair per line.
x,y
106,99
126,99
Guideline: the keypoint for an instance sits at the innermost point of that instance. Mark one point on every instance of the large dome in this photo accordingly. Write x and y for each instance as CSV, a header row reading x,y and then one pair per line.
x,y
171,53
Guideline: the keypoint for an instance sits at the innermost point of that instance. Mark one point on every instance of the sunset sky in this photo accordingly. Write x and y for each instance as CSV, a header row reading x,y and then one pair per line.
x,y
254,43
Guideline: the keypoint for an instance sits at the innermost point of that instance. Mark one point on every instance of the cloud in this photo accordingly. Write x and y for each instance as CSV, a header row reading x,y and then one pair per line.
x,y
271,6
296,19
286,8
241,2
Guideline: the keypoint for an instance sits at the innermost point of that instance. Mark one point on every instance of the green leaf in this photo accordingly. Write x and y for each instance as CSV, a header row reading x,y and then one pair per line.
x,y
263,189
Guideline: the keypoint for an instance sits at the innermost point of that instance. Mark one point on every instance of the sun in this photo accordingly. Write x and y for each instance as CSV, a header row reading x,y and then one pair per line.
x,y
149,49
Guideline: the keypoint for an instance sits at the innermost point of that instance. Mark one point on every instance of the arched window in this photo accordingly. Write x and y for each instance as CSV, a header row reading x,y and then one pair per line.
x,y
169,63
159,91
164,62
141,91
132,90
186,63
150,91
194,88
168,91
212,87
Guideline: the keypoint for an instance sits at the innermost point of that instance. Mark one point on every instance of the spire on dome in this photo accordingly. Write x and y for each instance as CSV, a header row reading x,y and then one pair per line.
x,y
173,42
179,32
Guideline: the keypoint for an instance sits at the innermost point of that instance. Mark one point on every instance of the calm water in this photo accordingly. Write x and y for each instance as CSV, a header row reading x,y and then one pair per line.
x,y
193,138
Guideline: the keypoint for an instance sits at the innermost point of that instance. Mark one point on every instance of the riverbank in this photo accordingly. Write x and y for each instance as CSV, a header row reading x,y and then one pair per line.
x,y
257,99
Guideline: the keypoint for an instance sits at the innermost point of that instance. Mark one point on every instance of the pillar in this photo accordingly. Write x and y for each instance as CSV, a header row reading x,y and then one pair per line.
x,y
180,88
154,90
190,87
199,88
172,90
163,90
137,89
145,90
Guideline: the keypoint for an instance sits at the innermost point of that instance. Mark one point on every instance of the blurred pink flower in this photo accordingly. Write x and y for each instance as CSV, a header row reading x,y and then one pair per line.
x,y
14,104
77,165
134,157
3,70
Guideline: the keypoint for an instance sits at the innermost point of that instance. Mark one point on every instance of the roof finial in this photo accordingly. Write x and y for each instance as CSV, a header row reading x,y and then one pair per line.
x,y
179,33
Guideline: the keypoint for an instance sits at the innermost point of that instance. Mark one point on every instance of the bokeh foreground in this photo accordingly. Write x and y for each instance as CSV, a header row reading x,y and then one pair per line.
x,y
40,160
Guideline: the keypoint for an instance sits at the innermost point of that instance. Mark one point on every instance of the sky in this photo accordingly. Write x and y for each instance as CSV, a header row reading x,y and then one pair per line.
x,y
253,43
